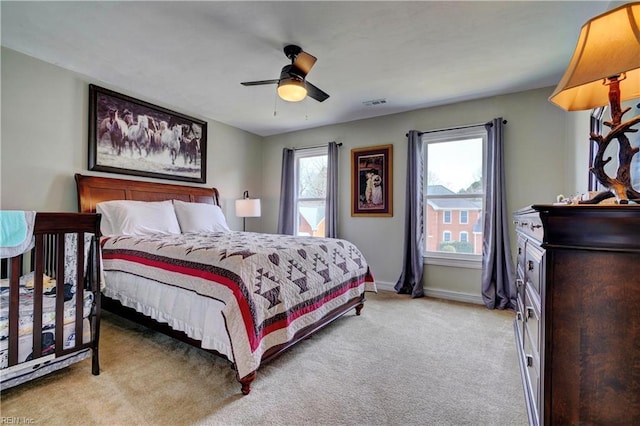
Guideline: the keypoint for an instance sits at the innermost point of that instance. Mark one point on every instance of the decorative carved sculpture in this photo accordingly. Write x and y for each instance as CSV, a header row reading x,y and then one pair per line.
x,y
620,186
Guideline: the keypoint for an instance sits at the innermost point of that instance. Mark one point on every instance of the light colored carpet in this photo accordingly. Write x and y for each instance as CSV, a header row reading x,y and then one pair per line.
x,y
402,362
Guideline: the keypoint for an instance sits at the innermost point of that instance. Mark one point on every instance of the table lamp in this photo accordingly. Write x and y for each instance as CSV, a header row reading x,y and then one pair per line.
x,y
605,68
247,207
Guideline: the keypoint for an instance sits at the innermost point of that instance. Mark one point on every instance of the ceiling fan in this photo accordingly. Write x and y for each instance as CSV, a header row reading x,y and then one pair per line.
x,y
292,84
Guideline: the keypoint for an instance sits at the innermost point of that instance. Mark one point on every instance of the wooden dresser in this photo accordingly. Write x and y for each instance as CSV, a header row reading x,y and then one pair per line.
x,y
577,323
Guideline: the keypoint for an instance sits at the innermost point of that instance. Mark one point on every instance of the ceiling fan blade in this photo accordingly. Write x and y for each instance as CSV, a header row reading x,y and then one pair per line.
x,y
304,62
315,93
260,82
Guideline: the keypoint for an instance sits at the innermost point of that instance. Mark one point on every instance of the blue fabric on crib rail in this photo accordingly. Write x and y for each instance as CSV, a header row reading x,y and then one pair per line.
x,y
16,232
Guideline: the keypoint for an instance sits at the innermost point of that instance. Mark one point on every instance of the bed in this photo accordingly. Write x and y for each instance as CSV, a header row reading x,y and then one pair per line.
x,y
242,295
50,296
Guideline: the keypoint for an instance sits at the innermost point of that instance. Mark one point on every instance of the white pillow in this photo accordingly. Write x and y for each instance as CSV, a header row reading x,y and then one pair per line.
x,y
200,217
126,217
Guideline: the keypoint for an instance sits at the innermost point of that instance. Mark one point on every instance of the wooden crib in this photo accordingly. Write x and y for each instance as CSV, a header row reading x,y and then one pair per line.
x,y
63,264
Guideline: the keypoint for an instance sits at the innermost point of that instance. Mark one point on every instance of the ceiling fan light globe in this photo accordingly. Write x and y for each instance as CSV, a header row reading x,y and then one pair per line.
x,y
292,90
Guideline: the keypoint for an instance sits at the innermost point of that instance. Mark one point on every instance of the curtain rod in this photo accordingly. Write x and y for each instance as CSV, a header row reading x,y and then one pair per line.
x,y
459,127
315,146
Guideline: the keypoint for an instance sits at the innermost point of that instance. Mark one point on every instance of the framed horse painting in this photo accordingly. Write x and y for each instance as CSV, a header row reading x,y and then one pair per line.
x,y
372,181
134,137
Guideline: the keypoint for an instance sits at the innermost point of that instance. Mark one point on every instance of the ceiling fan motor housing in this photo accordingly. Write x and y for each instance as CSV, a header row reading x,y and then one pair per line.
x,y
291,71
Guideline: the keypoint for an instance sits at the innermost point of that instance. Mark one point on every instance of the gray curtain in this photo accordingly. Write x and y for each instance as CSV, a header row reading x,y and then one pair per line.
x,y
331,214
410,281
287,195
498,286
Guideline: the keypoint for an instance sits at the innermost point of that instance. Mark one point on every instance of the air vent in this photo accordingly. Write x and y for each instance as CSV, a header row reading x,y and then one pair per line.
x,y
375,102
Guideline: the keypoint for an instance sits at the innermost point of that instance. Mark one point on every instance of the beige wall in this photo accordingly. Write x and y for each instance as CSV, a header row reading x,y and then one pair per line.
x,y
537,171
45,141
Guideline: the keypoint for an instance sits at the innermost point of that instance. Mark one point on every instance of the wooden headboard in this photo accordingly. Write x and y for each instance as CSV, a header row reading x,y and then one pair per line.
x,y
92,190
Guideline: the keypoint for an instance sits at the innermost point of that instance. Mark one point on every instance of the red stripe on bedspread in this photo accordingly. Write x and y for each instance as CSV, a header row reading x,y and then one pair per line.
x,y
194,272
312,307
255,333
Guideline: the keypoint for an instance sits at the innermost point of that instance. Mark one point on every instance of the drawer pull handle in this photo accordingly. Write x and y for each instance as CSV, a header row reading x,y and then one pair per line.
x,y
533,227
530,265
519,316
529,361
519,251
529,310
519,282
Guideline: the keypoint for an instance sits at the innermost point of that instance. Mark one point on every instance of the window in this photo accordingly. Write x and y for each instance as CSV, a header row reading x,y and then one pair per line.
x,y
454,188
311,191
464,217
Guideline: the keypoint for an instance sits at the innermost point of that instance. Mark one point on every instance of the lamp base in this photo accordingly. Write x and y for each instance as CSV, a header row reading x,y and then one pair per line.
x,y
620,185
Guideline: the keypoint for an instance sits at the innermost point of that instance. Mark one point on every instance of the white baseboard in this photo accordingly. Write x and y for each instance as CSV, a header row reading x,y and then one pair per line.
x,y
456,296
439,293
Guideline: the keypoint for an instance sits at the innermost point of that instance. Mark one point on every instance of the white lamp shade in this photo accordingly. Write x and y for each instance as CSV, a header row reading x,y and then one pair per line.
x,y
248,207
609,45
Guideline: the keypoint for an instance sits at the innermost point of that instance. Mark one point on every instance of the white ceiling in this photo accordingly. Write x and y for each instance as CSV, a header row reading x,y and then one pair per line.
x,y
192,56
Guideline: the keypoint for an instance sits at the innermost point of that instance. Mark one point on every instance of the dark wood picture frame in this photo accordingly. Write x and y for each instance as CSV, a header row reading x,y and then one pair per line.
x,y
134,137
372,181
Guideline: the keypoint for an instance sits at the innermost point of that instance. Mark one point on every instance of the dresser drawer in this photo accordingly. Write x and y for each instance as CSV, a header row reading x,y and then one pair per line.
x,y
533,385
531,319
520,289
520,322
533,267
530,225
522,243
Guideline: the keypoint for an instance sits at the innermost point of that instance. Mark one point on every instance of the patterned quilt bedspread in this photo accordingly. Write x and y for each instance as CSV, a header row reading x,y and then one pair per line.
x,y
272,285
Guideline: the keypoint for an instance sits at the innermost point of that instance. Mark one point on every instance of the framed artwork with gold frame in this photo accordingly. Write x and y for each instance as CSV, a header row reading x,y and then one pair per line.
x,y
372,181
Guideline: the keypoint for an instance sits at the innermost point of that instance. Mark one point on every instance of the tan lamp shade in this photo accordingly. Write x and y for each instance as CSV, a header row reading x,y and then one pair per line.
x,y
609,45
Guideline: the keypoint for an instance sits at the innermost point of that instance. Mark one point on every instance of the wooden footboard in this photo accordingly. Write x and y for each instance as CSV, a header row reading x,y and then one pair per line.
x,y
272,353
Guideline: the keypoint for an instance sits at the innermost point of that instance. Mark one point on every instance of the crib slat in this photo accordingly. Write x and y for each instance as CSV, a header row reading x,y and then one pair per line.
x,y
14,307
60,294
79,340
37,297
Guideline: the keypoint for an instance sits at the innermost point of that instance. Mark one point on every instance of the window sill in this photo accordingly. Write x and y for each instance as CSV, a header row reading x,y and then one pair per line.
x,y
453,262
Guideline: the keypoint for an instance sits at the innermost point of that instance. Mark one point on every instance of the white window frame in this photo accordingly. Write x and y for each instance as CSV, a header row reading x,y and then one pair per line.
x,y
466,239
461,260
446,236
299,154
